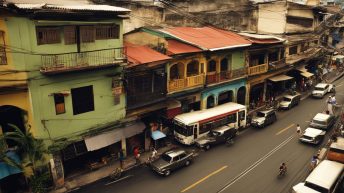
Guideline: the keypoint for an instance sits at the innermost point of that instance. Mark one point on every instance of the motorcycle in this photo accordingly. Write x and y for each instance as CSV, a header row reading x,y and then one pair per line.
x,y
282,172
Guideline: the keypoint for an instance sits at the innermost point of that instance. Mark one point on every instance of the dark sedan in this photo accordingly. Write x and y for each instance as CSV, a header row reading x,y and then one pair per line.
x,y
171,160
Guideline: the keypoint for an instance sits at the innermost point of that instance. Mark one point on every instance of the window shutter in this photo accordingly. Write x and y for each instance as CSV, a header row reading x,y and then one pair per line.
x,y
70,35
87,34
3,58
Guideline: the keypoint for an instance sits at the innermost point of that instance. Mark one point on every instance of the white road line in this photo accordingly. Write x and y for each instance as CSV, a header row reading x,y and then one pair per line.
x,y
242,174
125,177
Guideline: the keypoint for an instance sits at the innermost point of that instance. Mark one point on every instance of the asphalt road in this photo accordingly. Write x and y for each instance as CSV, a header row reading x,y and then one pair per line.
x,y
250,165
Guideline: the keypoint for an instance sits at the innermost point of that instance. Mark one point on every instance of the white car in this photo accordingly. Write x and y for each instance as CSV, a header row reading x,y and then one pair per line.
x,y
312,135
321,89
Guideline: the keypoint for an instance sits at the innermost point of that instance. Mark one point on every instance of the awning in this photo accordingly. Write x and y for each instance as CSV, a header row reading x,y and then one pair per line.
x,y
105,139
7,170
280,78
158,135
307,74
302,69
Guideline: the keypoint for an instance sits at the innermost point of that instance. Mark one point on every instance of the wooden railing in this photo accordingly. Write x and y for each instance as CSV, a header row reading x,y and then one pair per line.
x,y
218,77
53,63
188,82
277,64
257,69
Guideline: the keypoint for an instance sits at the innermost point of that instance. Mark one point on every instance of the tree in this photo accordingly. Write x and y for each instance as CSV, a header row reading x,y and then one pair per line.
x,y
31,149
3,157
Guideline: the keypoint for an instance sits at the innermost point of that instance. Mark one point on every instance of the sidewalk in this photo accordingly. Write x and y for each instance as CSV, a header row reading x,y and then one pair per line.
x,y
74,183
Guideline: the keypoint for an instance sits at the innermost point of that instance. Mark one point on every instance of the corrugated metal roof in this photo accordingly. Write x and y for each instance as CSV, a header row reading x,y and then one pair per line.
x,y
207,38
81,7
138,55
263,39
54,2
177,47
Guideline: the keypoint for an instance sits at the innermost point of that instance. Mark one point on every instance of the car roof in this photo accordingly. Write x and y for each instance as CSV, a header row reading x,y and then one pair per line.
x,y
321,117
339,144
321,85
222,129
175,152
266,111
291,96
312,132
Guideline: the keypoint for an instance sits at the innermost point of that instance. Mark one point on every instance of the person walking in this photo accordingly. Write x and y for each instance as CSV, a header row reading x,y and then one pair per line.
x,y
137,155
121,158
298,130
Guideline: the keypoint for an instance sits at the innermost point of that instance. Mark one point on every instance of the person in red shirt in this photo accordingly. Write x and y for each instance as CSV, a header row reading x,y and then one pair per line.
x,y
137,155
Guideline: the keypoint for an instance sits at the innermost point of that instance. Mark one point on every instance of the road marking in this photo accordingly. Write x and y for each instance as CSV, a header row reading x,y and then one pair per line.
x,y
125,177
254,165
285,129
206,177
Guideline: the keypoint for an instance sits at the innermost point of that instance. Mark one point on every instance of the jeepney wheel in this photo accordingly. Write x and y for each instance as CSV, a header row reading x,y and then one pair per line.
x,y
167,172
207,147
187,163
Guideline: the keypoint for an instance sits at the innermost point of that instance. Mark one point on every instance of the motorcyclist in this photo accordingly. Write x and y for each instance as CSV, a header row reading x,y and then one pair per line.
x,y
283,168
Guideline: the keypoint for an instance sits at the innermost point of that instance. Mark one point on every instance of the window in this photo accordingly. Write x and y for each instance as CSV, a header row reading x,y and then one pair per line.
x,y
225,64
69,35
87,34
74,150
292,50
3,58
192,68
303,22
257,59
282,53
304,47
107,32
273,56
82,99
59,104
48,35
212,66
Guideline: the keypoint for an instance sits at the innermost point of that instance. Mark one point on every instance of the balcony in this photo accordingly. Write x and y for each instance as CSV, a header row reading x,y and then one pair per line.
x,y
59,63
237,73
277,64
188,82
213,78
259,69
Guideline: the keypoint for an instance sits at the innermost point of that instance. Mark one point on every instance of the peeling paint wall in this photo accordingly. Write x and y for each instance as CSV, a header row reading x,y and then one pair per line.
x,y
272,18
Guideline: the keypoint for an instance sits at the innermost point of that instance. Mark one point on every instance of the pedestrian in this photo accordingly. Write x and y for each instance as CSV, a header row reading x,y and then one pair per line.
x,y
137,155
318,154
298,130
314,162
154,153
121,158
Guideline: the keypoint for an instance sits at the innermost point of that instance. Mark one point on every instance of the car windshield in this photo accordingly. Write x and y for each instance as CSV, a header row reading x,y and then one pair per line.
x,y
319,122
166,157
260,114
307,137
286,99
182,129
319,88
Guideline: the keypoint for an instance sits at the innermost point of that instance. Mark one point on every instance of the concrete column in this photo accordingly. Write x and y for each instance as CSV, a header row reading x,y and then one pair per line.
x,y
248,91
124,146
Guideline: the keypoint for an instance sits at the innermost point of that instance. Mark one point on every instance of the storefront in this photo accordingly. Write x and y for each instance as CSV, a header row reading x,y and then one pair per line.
x,y
257,95
276,85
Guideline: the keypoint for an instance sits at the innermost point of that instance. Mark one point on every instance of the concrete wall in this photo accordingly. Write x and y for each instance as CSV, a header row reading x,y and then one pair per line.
x,y
272,18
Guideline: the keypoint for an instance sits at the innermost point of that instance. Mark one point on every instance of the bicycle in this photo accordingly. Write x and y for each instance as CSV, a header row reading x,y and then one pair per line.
x,y
116,174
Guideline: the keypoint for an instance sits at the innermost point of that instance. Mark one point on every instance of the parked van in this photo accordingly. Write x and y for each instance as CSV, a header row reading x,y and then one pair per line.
x,y
323,179
289,101
336,151
322,121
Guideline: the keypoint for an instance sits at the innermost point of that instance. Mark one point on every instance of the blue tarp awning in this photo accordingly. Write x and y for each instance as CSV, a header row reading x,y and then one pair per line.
x,y
158,135
7,170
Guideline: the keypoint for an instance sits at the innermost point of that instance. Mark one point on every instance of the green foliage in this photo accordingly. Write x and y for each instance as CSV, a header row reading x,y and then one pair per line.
x,y
3,157
40,183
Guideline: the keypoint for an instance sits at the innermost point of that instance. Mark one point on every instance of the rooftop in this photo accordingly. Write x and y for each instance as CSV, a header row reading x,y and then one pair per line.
x,y
138,54
207,38
262,39
177,47
321,116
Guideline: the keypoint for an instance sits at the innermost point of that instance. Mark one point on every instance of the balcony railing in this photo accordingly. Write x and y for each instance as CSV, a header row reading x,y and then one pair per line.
x,y
257,69
237,73
218,77
277,64
56,63
188,82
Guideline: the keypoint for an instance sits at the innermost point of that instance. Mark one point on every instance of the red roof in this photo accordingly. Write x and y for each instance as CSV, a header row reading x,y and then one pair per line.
x,y
138,55
265,41
207,38
177,47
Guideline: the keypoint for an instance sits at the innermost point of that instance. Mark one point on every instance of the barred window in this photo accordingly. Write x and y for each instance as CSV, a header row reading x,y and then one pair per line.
x,y
107,32
69,35
87,34
48,35
3,58
83,100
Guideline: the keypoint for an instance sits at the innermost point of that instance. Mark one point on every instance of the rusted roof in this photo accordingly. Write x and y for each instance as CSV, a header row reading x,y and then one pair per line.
x,y
81,7
138,55
207,38
177,47
262,39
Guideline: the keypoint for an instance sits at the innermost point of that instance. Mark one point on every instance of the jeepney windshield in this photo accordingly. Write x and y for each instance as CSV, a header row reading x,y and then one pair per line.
x,y
183,129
